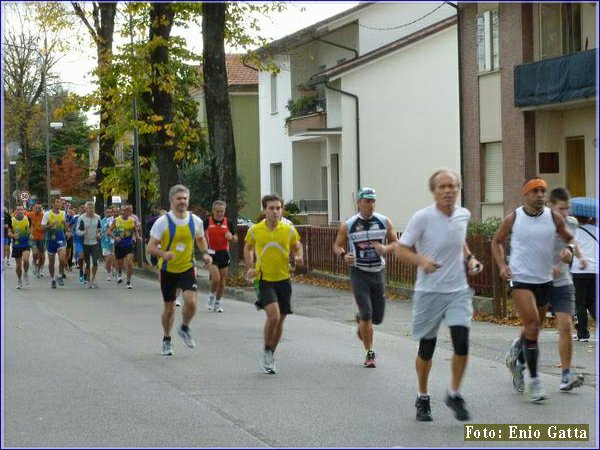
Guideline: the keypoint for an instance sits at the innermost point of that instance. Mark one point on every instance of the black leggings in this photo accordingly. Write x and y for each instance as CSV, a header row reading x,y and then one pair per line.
x,y
585,300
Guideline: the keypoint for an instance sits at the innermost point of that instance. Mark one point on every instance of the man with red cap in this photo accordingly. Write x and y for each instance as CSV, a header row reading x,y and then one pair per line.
x,y
532,229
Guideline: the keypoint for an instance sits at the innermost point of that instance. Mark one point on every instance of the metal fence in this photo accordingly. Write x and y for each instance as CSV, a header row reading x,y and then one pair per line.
x,y
319,257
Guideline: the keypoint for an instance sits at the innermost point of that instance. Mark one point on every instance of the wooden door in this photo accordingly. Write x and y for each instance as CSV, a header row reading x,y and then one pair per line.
x,y
575,166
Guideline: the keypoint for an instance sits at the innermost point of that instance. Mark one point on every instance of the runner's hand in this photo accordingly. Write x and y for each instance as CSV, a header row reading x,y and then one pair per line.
x,y
474,266
168,256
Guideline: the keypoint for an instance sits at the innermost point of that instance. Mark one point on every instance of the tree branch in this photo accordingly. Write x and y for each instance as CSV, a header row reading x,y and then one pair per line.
x,y
81,14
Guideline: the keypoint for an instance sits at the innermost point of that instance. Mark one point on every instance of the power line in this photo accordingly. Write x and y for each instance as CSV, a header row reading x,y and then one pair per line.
x,y
404,24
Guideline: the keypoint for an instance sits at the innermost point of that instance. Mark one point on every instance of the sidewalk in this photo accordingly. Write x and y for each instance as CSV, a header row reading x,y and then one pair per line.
x,y
487,340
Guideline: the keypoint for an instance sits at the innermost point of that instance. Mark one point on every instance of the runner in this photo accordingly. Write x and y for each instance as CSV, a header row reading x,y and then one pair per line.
x,y
532,229
368,236
54,223
125,233
89,230
78,243
272,241
176,233
219,233
20,232
562,299
6,224
38,243
107,244
435,241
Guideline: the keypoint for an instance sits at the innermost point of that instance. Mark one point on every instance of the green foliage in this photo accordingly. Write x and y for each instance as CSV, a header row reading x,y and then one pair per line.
x,y
486,228
291,207
301,106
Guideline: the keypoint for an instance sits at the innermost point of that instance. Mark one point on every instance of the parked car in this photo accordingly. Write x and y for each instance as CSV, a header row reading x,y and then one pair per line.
x,y
241,220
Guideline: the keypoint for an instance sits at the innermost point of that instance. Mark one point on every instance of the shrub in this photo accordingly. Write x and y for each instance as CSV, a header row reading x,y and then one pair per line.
x,y
291,207
486,228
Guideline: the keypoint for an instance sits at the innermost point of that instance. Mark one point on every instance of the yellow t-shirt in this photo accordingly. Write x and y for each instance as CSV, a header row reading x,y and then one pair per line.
x,y
272,249
182,245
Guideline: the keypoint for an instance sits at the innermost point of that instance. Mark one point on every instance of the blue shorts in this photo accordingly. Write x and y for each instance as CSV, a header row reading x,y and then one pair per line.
x,y
562,299
55,245
6,241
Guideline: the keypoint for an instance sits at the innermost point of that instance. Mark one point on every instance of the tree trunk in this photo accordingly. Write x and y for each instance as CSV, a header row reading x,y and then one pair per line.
x,y
161,20
218,111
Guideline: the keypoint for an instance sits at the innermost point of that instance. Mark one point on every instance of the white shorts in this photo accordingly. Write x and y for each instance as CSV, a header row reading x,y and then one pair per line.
x,y
106,251
430,309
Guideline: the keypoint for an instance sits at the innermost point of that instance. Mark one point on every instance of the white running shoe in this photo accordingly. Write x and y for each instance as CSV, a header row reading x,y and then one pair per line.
x,y
19,284
218,306
178,301
210,302
537,393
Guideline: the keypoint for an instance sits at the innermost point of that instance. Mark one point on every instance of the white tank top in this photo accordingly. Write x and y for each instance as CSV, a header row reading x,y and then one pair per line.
x,y
532,247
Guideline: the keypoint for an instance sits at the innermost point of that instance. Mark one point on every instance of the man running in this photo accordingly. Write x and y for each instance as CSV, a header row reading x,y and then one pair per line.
x,y
562,298
20,233
369,236
107,243
124,231
54,223
219,233
176,232
38,243
6,224
271,240
89,231
532,229
435,241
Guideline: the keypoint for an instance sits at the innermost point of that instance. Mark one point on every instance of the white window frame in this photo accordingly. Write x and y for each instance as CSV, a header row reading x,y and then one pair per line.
x,y
274,106
494,175
277,178
488,43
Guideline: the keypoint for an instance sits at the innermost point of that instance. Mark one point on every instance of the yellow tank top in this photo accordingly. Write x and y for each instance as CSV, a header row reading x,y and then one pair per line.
x,y
21,229
178,239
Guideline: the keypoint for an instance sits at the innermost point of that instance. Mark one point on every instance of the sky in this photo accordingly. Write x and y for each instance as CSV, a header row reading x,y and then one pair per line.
x,y
74,67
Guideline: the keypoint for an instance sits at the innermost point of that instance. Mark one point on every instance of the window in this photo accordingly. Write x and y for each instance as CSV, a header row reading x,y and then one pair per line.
x,y
560,29
488,54
276,186
273,93
493,173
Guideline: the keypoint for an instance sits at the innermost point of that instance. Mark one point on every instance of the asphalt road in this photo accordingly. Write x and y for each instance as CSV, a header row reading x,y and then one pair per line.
x,y
82,368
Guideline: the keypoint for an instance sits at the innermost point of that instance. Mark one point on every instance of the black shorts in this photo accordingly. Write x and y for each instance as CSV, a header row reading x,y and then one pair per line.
x,y
70,242
221,259
122,252
39,244
542,291
93,251
369,289
275,291
170,282
17,252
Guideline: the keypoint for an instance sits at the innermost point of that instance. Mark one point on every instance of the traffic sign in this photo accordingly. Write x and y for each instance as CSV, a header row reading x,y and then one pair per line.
x,y
24,196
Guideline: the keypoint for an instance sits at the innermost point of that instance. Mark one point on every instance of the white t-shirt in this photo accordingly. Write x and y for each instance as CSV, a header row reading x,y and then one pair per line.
x,y
589,247
441,238
162,224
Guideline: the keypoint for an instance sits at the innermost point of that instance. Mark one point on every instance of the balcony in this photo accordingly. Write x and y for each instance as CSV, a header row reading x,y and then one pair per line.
x,y
557,80
310,122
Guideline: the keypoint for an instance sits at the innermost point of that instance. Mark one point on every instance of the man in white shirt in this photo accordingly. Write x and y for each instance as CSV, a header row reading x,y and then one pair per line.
x,y
435,241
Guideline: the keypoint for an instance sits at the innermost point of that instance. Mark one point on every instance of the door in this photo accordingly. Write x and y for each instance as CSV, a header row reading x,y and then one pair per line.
x,y
575,167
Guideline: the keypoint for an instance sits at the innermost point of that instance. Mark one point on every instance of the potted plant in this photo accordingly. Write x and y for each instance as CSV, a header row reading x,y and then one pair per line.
x,y
307,91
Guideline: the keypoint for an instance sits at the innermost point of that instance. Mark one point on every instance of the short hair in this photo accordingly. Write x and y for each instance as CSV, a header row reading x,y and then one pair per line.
x,y
178,188
270,198
89,204
435,174
559,194
219,203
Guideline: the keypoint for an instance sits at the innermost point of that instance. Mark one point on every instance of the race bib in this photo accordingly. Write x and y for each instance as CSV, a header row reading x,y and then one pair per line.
x,y
180,247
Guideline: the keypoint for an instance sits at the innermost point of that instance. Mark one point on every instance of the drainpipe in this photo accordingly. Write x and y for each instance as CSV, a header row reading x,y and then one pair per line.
x,y
460,109
350,49
356,104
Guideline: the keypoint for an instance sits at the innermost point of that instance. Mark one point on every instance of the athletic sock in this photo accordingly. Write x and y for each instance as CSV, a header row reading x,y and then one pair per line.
x,y
530,349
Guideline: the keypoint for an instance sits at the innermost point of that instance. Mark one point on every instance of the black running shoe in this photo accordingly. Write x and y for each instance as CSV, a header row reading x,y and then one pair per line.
x,y
423,409
457,404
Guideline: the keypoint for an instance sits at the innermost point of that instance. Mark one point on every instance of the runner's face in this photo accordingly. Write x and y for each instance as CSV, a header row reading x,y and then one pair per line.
x,y
89,210
445,191
562,207
19,212
536,198
366,207
273,211
219,213
180,202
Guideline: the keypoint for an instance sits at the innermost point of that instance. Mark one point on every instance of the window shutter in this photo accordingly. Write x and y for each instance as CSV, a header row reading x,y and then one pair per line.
x,y
493,173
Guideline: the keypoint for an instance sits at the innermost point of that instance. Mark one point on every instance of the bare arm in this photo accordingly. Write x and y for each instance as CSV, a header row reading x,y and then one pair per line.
x,y
410,256
298,251
203,246
155,251
249,259
391,237
498,241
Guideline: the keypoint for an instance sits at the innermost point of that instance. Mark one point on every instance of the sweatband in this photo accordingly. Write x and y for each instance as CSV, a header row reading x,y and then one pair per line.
x,y
534,184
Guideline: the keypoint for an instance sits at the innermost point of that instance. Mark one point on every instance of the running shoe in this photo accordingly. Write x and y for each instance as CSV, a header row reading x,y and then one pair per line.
x,y
209,302
60,281
26,278
457,404
81,279
187,337
218,306
129,286
41,273
570,381
19,284
120,280
167,348
518,379
109,278
178,301
370,359
268,362
536,390
94,285
423,409
53,284
512,354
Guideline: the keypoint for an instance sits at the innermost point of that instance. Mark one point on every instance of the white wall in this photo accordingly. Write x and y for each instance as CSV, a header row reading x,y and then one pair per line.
x,y
308,160
275,146
409,125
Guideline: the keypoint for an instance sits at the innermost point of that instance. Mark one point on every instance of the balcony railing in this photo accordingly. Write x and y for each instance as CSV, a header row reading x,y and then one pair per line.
x,y
313,121
556,80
